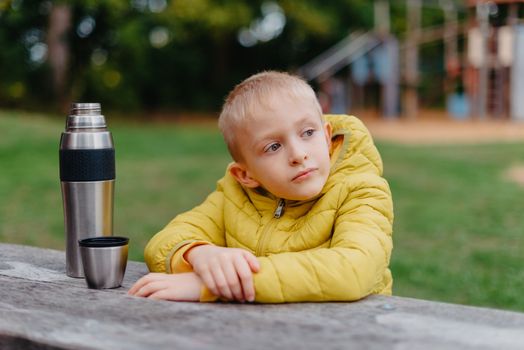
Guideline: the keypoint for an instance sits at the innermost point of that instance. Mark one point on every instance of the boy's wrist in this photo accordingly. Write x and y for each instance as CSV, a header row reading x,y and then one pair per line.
x,y
189,253
178,262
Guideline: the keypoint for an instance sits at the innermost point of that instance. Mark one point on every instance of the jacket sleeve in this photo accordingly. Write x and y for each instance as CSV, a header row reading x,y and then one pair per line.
x,y
351,268
357,259
202,224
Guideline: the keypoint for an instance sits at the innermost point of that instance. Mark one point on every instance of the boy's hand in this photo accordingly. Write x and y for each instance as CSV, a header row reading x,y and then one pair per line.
x,y
227,272
162,286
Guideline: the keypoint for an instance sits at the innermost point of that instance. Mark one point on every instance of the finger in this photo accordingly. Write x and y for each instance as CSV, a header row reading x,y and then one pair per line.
x,y
138,284
231,275
163,294
143,281
221,283
159,295
151,288
209,281
246,278
173,294
252,260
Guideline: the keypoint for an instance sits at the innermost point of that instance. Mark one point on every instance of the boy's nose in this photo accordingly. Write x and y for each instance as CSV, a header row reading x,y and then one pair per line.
x,y
297,156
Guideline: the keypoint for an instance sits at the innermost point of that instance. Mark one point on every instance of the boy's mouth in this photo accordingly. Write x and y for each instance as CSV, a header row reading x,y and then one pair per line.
x,y
303,175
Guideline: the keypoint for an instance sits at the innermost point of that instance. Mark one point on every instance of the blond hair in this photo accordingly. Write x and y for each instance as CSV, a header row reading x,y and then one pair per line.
x,y
254,93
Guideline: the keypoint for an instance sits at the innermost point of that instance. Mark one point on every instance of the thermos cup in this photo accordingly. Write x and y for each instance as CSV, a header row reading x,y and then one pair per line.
x,y
87,176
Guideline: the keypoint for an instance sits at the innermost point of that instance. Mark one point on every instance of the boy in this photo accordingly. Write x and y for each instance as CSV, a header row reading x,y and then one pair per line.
x,y
302,214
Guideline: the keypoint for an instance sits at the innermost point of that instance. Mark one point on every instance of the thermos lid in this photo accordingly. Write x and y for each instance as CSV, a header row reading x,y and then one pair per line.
x,y
85,116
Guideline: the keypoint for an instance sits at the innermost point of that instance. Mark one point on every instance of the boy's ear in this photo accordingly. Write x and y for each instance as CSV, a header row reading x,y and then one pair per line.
x,y
239,172
328,131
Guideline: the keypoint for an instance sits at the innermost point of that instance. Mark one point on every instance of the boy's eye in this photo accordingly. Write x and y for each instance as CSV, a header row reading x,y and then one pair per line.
x,y
309,132
272,147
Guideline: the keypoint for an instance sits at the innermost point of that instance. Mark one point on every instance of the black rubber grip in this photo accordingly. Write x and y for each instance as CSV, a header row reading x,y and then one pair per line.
x,y
87,164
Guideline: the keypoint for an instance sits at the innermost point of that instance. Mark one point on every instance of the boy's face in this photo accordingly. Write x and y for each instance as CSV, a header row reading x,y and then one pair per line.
x,y
285,149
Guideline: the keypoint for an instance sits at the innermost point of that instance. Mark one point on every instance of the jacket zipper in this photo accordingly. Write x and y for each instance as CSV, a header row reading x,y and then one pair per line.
x,y
265,234
280,209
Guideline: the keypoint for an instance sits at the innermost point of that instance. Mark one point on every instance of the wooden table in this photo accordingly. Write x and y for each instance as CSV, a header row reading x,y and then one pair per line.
x,y
42,308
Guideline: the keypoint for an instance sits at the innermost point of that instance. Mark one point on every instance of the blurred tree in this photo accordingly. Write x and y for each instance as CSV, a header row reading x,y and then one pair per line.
x,y
22,32
58,48
159,54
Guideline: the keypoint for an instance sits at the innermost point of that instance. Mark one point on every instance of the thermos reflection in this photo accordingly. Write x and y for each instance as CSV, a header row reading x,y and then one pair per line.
x,y
87,176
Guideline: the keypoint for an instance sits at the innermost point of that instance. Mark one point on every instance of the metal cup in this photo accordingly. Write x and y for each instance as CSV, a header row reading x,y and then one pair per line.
x,y
104,260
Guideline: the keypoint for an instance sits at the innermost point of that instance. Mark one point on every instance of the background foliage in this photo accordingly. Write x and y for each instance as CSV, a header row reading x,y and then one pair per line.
x,y
135,55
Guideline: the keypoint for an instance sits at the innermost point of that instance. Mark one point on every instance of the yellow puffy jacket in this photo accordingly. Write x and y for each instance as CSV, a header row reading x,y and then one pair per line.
x,y
334,247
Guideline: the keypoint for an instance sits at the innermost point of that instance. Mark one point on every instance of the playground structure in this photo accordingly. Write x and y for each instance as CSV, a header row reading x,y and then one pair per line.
x,y
482,73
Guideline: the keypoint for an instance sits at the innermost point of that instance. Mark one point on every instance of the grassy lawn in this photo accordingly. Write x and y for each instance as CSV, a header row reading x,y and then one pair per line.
x,y
459,227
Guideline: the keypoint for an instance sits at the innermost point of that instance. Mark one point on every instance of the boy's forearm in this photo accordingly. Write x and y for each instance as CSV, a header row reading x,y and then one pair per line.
x,y
328,274
203,223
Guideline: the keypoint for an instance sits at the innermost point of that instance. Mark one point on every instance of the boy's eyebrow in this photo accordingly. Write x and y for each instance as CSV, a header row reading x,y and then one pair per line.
x,y
262,137
256,140
307,118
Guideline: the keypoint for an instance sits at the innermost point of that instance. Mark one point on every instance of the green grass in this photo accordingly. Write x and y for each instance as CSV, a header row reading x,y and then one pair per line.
x,y
459,227
459,230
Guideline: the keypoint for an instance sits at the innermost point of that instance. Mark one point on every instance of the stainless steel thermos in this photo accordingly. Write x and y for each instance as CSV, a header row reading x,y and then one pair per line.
x,y
87,176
